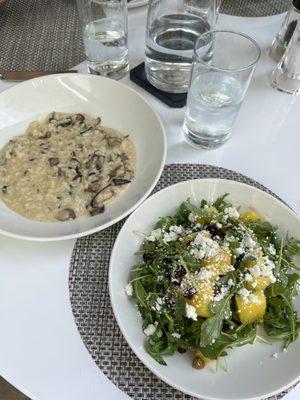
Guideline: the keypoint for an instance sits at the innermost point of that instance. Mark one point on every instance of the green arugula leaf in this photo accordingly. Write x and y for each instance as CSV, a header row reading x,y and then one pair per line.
x,y
140,293
212,326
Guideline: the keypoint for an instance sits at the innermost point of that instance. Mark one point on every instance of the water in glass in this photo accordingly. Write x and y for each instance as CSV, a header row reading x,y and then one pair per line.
x,y
169,50
105,46
213,103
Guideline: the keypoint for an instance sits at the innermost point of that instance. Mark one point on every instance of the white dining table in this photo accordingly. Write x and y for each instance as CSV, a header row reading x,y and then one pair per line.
x,y
41,351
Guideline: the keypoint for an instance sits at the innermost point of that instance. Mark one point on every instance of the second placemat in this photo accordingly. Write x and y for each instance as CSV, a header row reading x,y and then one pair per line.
x,y
88,283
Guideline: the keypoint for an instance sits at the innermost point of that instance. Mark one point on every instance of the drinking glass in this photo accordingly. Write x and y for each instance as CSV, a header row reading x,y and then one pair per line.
x,y
104,25
224,62
286,77
286,32
172,29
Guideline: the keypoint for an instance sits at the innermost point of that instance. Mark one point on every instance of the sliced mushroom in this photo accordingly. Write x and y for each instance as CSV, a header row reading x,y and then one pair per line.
x,y
119,171
65,122
79,118
93,187
4,189
85,128
53,161
98,210
102,196
99,161
66,214
47,135
78,174
114,141
120,182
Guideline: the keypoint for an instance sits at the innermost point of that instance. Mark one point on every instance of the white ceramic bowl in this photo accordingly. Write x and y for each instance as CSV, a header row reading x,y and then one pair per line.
x,y
137,3
252,371
119,107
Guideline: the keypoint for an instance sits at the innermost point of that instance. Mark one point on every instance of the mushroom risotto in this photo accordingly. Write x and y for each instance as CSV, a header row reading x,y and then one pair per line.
x,y
68,166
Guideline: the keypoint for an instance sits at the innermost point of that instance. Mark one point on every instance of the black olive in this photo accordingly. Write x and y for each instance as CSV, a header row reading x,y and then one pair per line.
x,y
181,350
148,257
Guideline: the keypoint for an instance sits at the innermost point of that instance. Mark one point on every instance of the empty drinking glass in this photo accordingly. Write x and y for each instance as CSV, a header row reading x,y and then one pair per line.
x,y
104,25
286,77
172,29
223,65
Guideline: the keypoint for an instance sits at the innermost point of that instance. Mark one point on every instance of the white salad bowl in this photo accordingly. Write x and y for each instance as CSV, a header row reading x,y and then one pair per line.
x,y
253,372
119,107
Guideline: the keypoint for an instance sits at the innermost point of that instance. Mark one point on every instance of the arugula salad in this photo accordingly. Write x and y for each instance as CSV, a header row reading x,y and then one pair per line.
x,y
209,276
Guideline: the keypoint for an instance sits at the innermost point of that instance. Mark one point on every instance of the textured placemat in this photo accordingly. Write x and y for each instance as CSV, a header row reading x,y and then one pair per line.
x,y
45,34
254,8
40,35
88,283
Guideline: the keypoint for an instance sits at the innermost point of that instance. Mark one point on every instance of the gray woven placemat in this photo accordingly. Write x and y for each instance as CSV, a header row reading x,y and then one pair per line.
x,y
88,284
254,8
40,35
45,34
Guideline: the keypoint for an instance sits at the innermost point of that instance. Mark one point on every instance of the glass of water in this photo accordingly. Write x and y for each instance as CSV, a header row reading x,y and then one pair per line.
x,y
104,24
223,66
172,29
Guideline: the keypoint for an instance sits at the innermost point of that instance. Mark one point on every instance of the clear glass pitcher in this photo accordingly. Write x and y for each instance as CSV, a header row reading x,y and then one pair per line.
x,y
172,29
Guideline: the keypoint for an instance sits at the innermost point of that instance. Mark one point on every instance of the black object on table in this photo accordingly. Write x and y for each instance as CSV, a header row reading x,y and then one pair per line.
x,y
174,100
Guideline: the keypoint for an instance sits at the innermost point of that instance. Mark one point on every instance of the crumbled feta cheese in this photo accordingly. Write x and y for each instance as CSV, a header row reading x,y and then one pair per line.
x,y
170,237
176,335
129,290
239,251
275,355
254,299
154,235
150,330
158,304
191,312
223,291
230,283
192,217
177,229
204,246
255,270
173,234
245,293
198,253
271,249
248,241
232,212
218,225
205,274
230,238
248,277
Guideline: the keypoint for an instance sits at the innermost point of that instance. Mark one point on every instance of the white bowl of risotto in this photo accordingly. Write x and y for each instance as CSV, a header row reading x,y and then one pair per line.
x,y
78,153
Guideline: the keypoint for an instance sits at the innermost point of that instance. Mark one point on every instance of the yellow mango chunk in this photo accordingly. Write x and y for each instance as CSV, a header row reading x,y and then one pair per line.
x,y
251,216
203,298
202,220
220,264
258,283
253,308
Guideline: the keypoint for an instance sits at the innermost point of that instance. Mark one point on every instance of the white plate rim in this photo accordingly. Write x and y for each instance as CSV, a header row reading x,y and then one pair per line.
x,y
116,314
137,3
127,212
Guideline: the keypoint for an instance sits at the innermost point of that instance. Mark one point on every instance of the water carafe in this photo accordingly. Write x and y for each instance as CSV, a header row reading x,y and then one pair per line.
x,y
172,29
